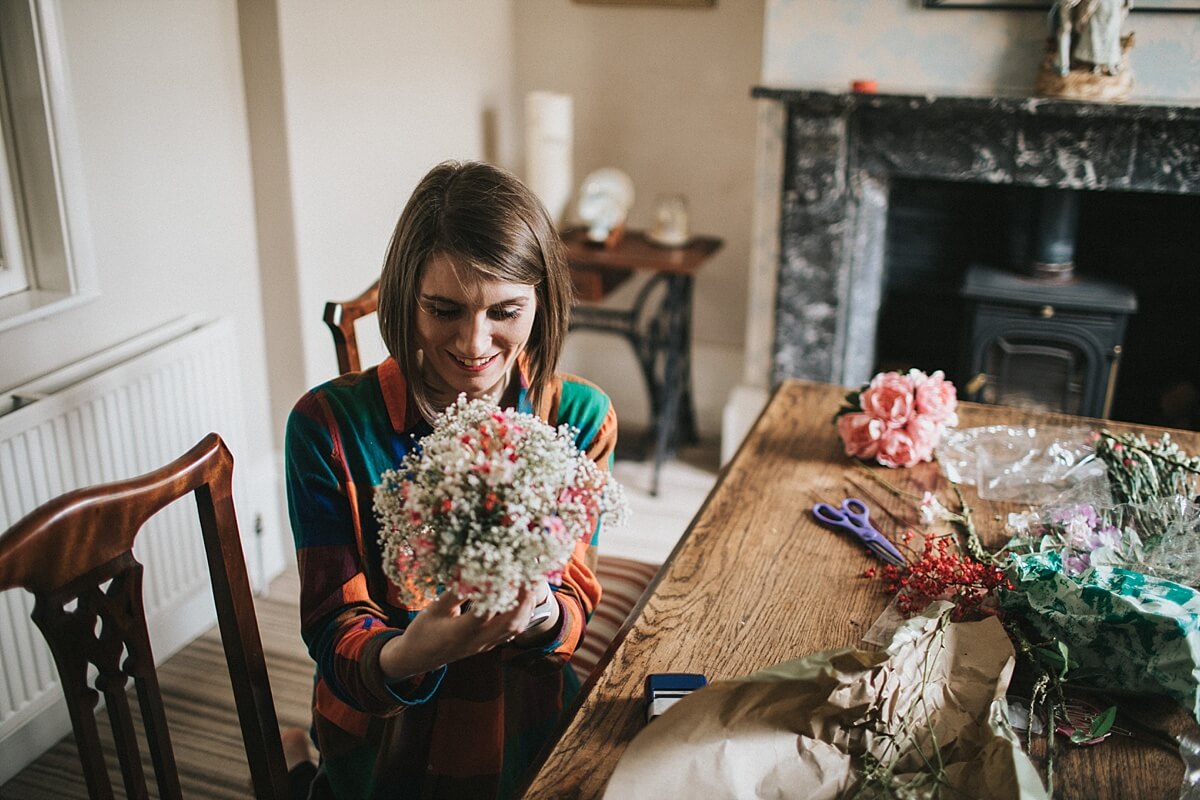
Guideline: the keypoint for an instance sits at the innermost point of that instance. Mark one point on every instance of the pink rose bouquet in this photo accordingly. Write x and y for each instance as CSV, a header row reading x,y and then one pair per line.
x,y
897,419
491,502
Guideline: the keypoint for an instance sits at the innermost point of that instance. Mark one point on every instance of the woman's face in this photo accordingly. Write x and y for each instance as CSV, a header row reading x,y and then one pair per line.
x,y
470,329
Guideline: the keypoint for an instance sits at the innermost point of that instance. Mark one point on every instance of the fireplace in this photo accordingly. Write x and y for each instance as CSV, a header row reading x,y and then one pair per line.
x,y
852,165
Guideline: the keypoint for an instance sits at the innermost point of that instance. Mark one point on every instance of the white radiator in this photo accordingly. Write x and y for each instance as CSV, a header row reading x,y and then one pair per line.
x,y
122,413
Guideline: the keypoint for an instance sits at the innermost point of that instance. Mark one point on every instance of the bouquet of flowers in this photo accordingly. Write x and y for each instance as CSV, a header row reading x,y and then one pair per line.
x,y
897,419
492,501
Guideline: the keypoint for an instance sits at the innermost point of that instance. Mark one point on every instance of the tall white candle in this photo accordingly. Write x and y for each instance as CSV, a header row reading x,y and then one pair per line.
x,y
549,135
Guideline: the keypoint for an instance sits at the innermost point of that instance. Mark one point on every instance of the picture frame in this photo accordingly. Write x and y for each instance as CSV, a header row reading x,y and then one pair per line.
x,y
1148,6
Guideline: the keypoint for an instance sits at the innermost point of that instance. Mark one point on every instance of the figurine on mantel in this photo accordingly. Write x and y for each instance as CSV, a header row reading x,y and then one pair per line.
x,y
1087,58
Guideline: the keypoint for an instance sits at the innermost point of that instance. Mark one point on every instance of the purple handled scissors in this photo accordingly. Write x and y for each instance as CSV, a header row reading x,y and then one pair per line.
x,y
852,516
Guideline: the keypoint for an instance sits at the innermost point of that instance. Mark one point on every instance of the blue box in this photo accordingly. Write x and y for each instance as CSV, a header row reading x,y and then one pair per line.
x,y
664,689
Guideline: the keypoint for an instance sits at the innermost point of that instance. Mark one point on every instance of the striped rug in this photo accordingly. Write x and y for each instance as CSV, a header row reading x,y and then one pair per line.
x,y
622,581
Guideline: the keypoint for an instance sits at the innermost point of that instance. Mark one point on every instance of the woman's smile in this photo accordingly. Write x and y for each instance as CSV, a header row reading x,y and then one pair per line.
x,y
475,364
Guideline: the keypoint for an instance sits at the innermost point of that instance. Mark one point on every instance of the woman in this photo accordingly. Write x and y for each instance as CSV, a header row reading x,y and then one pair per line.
x,y
434,702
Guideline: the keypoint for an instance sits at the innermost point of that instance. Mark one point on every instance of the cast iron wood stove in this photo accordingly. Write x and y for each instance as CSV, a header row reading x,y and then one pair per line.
x,y
1051,346
1049,339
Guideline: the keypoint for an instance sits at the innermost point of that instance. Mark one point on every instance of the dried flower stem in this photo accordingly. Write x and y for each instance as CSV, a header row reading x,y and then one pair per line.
x,y
879,773
895,491
1188,464
1046,696
964,517
974,546
1141,472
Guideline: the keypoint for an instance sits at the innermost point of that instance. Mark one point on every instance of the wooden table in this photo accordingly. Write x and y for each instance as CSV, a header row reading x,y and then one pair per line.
x,y
658,325
754,581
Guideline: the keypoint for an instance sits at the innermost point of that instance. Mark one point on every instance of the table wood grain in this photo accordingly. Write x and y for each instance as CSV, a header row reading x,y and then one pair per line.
x,y
755,581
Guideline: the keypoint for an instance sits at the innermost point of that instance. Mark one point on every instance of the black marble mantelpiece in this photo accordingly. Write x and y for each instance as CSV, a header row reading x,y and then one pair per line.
x,y
841,150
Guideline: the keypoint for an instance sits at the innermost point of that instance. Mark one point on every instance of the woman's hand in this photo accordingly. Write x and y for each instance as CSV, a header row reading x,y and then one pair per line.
x,y
443,632
533,634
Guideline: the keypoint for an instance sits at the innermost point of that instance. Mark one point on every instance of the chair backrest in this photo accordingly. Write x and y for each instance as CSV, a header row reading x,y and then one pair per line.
x,y
74,553
340,317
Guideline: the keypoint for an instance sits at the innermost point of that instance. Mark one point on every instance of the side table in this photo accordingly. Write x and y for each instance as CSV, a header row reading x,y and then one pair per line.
x,y
659,332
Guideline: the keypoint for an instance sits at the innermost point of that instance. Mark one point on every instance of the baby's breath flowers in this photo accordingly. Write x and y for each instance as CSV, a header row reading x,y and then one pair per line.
x,y
492,501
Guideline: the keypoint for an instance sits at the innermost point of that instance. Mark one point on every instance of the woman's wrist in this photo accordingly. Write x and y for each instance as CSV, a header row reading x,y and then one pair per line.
x,y
397,661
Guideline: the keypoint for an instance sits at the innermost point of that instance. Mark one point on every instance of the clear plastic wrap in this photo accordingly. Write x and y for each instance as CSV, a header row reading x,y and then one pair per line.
x,y
1024,465
1175,553
1189,752
1159,538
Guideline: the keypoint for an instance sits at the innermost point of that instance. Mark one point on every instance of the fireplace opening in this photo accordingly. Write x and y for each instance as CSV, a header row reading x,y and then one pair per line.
x,y
940,232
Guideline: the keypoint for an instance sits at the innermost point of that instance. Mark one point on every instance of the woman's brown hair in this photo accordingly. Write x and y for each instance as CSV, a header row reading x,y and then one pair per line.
x,y
483,218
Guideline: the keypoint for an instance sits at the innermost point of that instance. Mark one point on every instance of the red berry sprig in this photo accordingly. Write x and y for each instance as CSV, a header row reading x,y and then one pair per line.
x,y
943,574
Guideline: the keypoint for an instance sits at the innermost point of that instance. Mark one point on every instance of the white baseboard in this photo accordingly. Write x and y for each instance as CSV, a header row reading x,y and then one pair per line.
x,y
262,517
745,404
44,722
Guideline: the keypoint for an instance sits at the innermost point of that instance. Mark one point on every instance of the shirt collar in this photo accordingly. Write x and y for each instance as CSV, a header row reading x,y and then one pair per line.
x,y
397,394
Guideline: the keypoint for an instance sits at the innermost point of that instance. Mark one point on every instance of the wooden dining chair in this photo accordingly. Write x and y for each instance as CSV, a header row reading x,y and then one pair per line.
x,y
75,554
340,317
622,580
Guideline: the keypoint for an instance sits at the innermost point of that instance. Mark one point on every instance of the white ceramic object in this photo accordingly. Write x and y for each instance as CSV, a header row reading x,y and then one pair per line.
x,y
670,221
605,198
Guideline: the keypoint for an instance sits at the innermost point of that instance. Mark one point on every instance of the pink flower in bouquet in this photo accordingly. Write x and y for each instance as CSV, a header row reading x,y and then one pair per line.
x,y
937,399
554,527
925,434
889,398
860,434
898,419
897,449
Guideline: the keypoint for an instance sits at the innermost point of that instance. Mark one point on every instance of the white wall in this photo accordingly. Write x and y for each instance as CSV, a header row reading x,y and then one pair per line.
x,y
161,126
814,43
160,118
371,99
663,94
374,93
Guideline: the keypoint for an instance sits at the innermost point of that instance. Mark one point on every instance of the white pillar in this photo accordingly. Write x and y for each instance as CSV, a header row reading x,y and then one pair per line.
x,y
748,398
549,139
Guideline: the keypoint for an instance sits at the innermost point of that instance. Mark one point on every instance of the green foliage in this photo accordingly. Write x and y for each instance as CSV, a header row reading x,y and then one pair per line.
x,y
1101,724
1140,471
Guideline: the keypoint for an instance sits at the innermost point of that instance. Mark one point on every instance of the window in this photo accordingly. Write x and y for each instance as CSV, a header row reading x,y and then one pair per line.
x,y
14,275
45,262
13,272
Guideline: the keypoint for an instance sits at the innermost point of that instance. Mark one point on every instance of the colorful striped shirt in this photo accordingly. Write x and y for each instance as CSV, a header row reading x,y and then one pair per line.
x,y
469,729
